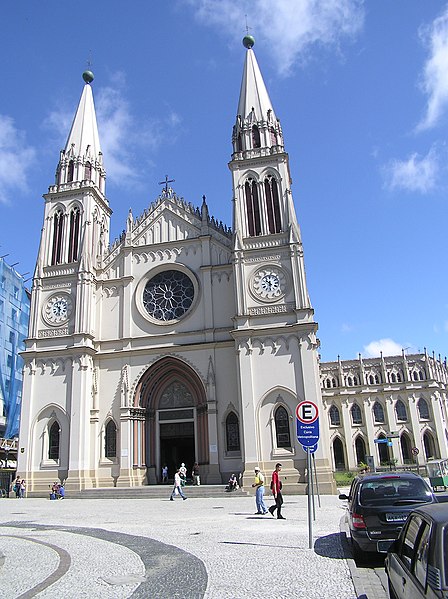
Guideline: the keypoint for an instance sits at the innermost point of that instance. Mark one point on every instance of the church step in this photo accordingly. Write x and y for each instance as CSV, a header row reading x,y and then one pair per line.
x,y
147,492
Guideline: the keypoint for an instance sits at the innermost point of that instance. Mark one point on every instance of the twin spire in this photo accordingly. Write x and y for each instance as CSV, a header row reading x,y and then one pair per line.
x,y
82,160
257,130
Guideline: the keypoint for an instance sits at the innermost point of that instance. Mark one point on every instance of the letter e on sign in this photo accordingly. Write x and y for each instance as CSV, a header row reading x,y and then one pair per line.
x,y
307,412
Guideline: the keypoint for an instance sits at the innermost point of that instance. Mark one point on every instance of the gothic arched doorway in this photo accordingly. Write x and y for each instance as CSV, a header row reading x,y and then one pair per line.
x,y
172,402
338,454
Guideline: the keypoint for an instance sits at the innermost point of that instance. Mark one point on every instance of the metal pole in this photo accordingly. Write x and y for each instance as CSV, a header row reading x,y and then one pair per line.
x,y
310,520
315,478
312,485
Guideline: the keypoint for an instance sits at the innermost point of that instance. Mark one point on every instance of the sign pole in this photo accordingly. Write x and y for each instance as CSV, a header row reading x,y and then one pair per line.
x,y
315,478
310,521
312,484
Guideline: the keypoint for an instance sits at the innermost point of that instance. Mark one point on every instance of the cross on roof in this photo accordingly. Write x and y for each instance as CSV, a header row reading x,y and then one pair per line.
x,y
166,183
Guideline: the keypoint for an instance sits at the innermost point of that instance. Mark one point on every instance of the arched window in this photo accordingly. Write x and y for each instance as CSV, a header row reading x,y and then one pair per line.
x,y
110,440
73,242
355,380
360,450
421,376
338,454
383,451
429,446
71,171
399,380
53,441
232,432
87,171
328,383
415,375
400,411
256,141
377,379
423,409
349,381
239,143
58,233
378,413
393,377
405,444
356,414
371,379
252,208
282,427
274,140
335,417
272,205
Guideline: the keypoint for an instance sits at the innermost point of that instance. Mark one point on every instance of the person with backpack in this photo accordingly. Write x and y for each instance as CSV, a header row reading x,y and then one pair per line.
x,y
276,488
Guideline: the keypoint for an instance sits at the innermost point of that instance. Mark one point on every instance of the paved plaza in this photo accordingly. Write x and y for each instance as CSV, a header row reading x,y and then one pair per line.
x,y
211,547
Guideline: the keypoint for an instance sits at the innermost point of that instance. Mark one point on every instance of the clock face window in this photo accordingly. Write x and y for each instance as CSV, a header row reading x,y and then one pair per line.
x,y
168,295
269,284
58,309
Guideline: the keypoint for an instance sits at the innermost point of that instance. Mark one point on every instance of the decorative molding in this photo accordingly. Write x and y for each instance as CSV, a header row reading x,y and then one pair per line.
x,y
276,309
47,333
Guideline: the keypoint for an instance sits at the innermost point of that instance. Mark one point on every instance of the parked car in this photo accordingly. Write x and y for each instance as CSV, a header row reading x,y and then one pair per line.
x,y
378,505
417,563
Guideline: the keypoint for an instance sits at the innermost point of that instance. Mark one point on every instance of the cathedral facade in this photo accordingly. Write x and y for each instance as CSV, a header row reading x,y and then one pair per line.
x,y
186,341
182,340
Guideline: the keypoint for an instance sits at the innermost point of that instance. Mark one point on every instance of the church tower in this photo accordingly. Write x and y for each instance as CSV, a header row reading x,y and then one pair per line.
x,y
60,345
275,331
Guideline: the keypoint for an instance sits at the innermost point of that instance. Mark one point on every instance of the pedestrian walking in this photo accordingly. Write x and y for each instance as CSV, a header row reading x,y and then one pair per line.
x,y
259,491
183,474
276,488
17,487
195,474
177,489
22,488
165,474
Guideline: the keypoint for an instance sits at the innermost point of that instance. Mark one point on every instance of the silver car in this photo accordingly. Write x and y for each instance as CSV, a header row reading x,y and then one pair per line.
x,y
417,562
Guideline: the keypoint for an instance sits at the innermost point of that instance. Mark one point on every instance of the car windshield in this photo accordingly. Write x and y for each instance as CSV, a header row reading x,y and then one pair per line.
x,y
386,491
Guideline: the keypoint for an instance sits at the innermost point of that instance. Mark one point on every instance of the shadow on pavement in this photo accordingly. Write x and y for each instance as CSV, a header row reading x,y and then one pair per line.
x,y
331,546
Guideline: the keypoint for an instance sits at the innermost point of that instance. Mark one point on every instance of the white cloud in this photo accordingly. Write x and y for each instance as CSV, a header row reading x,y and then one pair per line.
x,y
434,79
387,346
16,158
414,174
290,28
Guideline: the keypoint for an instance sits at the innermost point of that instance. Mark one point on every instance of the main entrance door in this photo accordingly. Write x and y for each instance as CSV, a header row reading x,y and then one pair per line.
x,y
177,446
176,421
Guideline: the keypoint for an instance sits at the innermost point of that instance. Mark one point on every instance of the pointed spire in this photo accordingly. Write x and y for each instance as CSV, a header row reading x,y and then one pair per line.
x,y
82,159
257,131
83,136
254,96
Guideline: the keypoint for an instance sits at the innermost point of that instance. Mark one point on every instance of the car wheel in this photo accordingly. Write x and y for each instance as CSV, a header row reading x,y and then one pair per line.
x,y
392,594
358,554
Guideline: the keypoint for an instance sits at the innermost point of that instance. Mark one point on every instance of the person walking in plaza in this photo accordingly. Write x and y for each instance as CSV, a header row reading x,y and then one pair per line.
x,y
276,488
177,489
195,474
183,474
165,474
259,491
22,488
17,487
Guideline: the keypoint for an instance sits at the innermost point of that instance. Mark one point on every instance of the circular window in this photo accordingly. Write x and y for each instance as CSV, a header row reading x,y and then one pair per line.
x,y
168,295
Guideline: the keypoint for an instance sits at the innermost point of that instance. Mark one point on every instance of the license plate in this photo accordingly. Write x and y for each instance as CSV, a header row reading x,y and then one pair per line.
x,y
396,517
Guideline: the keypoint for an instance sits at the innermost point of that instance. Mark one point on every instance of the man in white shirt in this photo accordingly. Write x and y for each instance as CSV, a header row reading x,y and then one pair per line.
x,y
178,486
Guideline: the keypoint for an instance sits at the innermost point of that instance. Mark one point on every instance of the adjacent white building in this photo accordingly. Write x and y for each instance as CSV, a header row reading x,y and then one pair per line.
x,y
186,341
368,399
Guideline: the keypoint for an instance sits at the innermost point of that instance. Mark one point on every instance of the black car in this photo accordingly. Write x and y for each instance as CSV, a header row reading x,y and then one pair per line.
x,y
378,505
417,563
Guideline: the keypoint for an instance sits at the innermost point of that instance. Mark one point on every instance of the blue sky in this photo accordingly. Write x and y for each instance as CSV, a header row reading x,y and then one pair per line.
x,y
361,89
